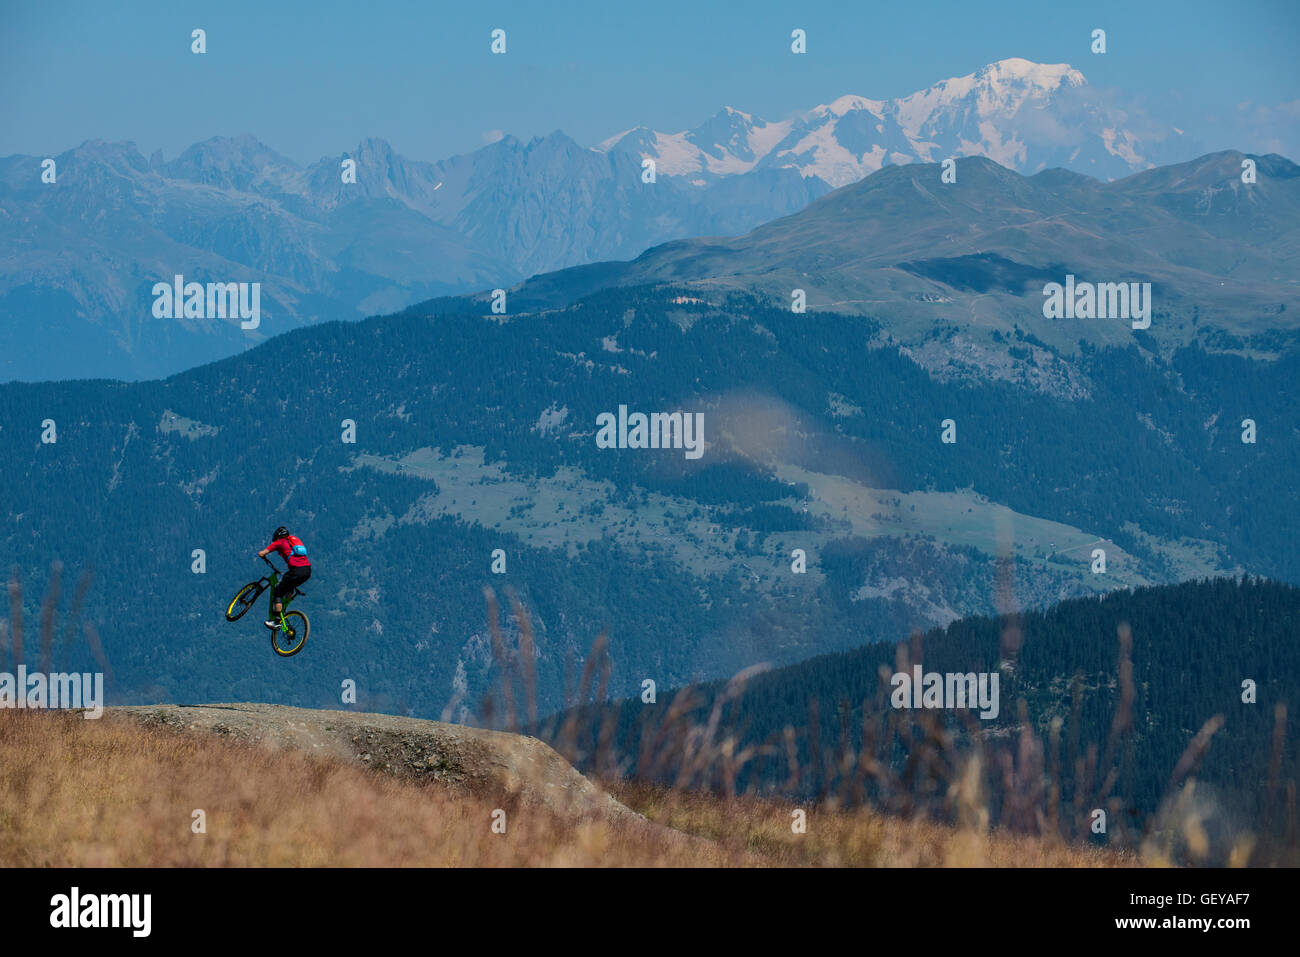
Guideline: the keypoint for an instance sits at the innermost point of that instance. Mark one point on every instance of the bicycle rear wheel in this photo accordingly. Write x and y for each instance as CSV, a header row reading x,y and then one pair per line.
x,y
244,599
289,640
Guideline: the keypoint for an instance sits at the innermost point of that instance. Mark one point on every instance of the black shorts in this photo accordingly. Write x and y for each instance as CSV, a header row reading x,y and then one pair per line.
x,y
295,576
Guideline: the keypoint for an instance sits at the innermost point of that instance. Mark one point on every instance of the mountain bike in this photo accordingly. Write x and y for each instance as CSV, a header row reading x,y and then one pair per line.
x,y
294,627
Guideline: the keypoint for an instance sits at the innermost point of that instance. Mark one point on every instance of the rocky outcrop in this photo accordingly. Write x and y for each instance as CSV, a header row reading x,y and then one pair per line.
x,y
483,761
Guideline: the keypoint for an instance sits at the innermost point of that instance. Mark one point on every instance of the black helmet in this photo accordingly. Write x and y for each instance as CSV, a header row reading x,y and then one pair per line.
x,y
280,533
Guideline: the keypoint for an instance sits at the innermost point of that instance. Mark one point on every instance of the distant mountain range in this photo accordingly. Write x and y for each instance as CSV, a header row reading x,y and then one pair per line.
x,y
1023,115
79,257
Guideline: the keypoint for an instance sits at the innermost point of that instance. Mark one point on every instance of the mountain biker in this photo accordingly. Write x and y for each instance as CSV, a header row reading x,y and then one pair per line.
x,y
294,552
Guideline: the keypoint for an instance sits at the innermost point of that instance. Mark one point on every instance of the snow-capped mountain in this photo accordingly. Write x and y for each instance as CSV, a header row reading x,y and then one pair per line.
x,y
1026,116
729,143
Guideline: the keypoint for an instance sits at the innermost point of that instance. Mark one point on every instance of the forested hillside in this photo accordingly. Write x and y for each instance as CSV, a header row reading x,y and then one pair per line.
x,y
477,432
1087,720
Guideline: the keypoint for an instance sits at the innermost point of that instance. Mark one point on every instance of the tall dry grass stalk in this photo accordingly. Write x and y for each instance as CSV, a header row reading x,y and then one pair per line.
x,y
911,765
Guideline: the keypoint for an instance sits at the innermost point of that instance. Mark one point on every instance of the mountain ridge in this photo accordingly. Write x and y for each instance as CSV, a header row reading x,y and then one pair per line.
x,y
922,255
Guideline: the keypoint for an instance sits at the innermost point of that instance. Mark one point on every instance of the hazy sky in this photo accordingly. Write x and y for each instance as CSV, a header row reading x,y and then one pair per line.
x,y
313,78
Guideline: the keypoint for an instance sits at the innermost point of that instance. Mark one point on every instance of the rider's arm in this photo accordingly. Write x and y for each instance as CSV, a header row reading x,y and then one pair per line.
x,y
275,547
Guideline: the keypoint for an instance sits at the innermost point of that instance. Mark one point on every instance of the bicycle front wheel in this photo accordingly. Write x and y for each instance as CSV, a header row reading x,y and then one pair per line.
x,y
289,640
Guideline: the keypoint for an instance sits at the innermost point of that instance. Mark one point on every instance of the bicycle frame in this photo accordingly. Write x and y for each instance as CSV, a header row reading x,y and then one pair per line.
x,y
272,581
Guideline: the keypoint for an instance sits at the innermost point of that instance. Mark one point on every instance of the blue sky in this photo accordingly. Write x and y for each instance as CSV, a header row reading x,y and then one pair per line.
x,y
313,78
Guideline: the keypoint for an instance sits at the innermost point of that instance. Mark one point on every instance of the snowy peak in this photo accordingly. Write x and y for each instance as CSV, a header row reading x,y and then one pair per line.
x,y
999,90
729,133
728,143
1043,76
1025,115
849,104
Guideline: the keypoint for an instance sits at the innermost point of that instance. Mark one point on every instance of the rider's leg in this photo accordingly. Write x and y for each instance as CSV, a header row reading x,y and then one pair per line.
x,y
276,609
292,578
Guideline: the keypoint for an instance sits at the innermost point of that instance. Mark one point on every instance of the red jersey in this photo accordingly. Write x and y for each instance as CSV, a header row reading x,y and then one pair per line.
x,y
292,550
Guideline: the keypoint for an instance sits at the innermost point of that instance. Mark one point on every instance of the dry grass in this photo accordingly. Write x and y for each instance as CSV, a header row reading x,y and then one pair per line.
x,y
116,793
854,837
113,793
1003,792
